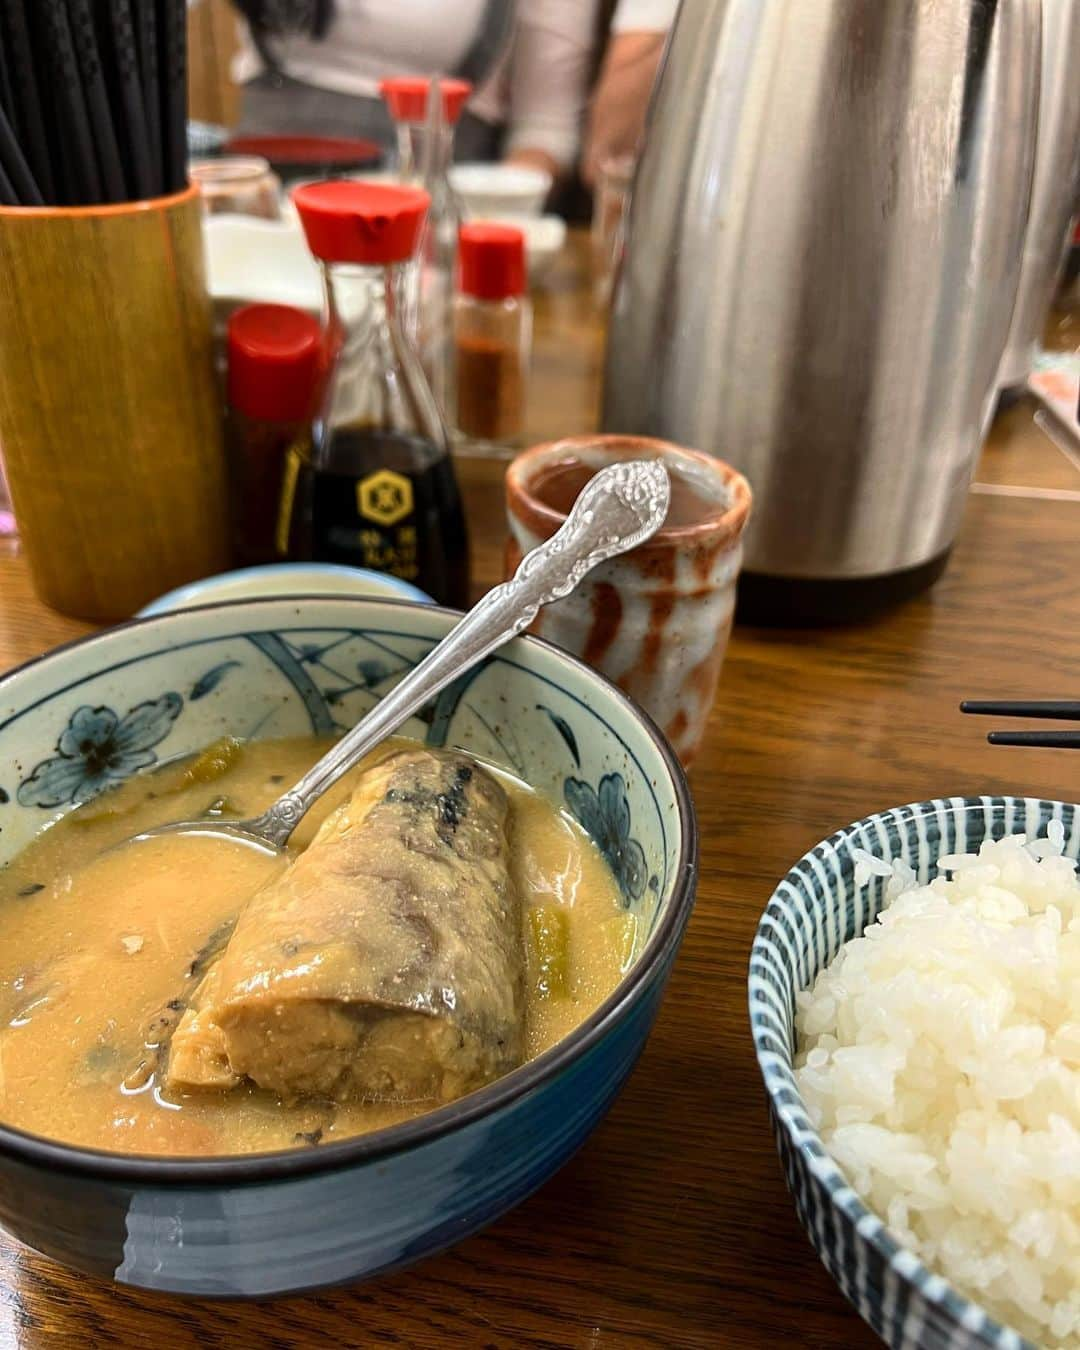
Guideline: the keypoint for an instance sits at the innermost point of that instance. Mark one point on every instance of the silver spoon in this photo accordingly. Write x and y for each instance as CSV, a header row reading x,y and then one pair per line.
x,y
616,511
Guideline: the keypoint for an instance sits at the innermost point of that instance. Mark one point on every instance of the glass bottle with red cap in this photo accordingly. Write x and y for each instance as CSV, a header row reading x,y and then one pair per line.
x,y
377,487
492,335
425,128
275,363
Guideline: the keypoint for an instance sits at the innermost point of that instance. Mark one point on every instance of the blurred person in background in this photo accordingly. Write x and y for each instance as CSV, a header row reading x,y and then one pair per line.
x,y
620,100
312,67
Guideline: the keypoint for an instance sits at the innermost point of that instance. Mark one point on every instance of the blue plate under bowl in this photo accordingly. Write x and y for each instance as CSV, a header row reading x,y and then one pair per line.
x,y
285,579
813,912
264,1224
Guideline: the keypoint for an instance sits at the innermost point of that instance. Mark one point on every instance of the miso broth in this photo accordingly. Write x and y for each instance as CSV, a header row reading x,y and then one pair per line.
x,y
101,944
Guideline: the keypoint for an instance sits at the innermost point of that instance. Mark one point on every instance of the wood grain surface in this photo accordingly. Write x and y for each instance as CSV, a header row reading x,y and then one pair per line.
x,y
213,95
108,404
672,1227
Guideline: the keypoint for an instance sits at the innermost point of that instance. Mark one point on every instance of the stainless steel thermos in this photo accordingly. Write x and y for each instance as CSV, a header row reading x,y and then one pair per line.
x,y
821,260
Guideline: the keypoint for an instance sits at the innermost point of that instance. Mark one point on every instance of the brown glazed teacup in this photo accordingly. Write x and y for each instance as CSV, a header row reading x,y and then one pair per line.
x,y
656,621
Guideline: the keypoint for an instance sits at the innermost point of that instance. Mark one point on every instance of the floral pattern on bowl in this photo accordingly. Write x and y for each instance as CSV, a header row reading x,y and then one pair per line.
x,y
97,749
604,812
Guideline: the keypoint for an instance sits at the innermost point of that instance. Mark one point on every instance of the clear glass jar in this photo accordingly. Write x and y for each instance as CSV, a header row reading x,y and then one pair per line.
x,y
376,488
492,338
425,153
242,185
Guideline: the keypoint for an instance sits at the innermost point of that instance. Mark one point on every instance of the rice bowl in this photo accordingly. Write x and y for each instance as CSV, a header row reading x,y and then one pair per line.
x,y
903,1292
940,1061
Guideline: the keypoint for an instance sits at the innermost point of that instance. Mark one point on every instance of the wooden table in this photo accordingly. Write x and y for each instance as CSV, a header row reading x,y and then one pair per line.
x,y
672,1227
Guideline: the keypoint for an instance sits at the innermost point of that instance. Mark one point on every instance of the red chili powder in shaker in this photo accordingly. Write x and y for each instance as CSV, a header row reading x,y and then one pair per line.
x,y
490,387
492,332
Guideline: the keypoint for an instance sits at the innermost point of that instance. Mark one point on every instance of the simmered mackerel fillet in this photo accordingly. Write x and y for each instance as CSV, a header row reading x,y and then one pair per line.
x,y
386,963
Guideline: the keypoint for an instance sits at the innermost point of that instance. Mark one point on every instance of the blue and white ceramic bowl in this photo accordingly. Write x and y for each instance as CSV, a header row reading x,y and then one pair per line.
x,y
813,912
285,579
101,709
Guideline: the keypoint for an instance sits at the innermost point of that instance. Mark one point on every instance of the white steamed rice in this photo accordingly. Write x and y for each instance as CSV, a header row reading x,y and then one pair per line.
x,y
939,1056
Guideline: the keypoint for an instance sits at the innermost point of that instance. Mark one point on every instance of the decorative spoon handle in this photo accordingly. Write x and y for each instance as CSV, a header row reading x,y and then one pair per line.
x,y
617,510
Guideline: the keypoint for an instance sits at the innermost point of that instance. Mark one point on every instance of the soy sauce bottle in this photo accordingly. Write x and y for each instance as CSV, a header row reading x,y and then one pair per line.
x,y
375,487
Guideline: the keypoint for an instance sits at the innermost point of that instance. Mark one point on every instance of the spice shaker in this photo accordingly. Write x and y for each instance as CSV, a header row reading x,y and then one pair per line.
x,y
376,487
492,335
275,360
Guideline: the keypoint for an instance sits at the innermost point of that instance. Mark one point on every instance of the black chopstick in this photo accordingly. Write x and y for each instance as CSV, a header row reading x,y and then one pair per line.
x,y
1047,740
172,74
32,124
120,51
1067,710
146,18
7,88
8,195
77,147
102,132
16,169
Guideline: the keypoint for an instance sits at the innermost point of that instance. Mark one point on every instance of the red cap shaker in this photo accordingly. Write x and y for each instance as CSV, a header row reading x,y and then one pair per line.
x,y
349,222
492,260
492,334
275,358
406,97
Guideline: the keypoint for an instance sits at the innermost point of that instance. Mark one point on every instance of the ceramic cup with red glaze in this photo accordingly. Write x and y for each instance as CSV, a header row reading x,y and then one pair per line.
x,y
656,621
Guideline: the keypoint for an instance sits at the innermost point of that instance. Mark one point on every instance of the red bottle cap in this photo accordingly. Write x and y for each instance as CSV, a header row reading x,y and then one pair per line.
x,y
492,260
407,95
275,360
347,222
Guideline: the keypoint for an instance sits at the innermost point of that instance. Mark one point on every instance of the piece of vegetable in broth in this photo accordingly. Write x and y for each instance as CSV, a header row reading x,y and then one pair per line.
x,y
212,763
620,939
104,809
549,950
206,767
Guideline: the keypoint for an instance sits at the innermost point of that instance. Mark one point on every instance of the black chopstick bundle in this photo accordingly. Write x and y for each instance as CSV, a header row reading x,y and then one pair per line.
x,y
93,100
119,45
1057,710
34,124
79,165
106,147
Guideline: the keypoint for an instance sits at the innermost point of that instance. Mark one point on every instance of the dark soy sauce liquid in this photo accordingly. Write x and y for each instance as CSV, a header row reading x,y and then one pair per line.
x,y
558,485
389,503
